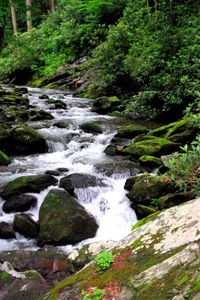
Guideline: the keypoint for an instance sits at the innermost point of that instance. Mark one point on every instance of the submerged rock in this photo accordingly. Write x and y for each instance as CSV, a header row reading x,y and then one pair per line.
x,y
63,220
25,226
19,203
27,184
79,181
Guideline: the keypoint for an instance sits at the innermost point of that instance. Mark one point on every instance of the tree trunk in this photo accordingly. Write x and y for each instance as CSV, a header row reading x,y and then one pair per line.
x,y
28,14
14,19
52,6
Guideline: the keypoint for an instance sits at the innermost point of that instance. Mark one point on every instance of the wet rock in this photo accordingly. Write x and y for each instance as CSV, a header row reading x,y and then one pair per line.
x,y
151,162
52,172
57,104
19,203
130,131
142,211
173,199
27,184
27,140
80,181
44,96
131,181
113,150
123,167
11,99
5,140
6,231
26,226
104,105
63,220
4,159
149,187
61,124
21,90
91,127
40,115
182,131
153,146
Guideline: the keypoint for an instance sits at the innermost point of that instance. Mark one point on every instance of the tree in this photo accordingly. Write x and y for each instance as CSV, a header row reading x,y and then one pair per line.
x,y
13,15
52,5
28,14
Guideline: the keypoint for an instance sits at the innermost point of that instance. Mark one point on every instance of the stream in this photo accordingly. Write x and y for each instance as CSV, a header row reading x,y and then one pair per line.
x,y
72,148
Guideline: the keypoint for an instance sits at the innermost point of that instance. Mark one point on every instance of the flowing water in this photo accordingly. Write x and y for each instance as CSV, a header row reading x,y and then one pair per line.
x,y
77,151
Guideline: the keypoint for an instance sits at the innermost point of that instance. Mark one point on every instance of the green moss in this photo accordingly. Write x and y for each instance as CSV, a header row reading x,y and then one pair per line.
x,y
4,159
145,220
150,161
4,276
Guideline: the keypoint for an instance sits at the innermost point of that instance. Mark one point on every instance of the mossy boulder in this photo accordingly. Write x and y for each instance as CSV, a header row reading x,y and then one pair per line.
x,y
15,115
27,140
153,147
151,162
132,180
20,90
57,104
173,199
27,184
11,99
91,127
149,187
19,203
25,225
63,220
105,105
130,131
142,211
4,159
182,131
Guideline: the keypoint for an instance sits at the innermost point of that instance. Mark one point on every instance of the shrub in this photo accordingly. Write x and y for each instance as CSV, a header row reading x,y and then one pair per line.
x,y
104,260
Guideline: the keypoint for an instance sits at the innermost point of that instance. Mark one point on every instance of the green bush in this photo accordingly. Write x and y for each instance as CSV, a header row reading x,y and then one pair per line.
x,y
104,260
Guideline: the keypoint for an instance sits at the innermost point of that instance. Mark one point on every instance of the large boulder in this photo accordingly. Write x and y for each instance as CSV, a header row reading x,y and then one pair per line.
x,y
27,140
158,260
27,184
63,220
80,181
6,231
148,188
150,162
26,226
182,131
4,159
123,167
40,115
91,127
104,105
19,203
152,146
130,131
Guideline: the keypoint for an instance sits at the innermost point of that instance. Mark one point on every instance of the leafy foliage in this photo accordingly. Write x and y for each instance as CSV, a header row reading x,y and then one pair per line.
x,y
97,294
104,260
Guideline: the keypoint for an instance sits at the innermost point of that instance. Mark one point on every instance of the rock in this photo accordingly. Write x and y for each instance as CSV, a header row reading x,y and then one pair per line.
x,y
19,203
80,181
153,147
44,96
151,162
57,103
182,131
61,123
142,211
26,226
125,167
21,90
173,199
113,150
40,115
27,140
104,105
14,115
52,172
130,131
91,127
149,187
5,141
6,231
132,180
63,220
27,184
4,159
11,99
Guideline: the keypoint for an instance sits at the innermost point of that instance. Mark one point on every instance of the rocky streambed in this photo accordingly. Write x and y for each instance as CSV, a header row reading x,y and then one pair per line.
x,y
73,181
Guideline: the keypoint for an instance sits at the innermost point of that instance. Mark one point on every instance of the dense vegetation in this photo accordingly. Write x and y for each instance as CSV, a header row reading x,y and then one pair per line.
x,y
143,51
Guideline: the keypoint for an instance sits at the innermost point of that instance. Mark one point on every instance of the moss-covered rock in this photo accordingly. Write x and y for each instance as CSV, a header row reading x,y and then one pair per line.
x,y
142,211
182,131
26,226
4,159
105,105
63,220
57,104
131,130
149,187
91,127
40,115
27,140
27,184
153,147
173,199
151,162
